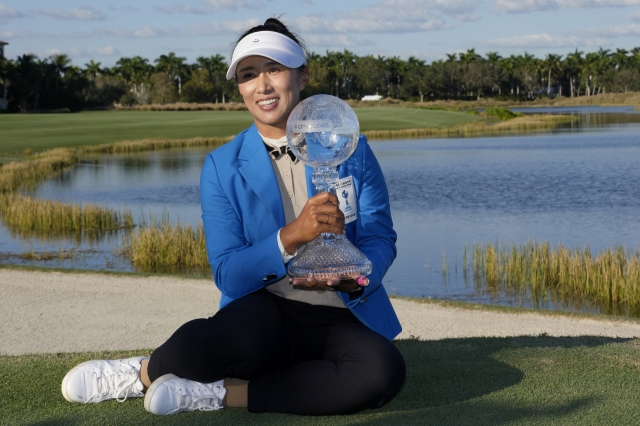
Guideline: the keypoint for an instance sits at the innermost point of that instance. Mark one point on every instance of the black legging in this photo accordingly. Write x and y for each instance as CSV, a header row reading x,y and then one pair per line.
x,y
299,358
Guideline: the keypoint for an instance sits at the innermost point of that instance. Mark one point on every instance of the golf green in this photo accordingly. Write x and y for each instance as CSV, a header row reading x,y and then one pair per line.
x,y
38,132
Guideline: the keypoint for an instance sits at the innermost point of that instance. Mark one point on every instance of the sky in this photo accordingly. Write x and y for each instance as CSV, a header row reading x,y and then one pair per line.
x,y
428,29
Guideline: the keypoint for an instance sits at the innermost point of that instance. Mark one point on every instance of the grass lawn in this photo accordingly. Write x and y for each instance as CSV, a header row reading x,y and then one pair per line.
x,y
44,131
475,381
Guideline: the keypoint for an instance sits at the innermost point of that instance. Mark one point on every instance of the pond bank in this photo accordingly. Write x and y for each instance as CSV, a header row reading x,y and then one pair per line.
x,y
69,312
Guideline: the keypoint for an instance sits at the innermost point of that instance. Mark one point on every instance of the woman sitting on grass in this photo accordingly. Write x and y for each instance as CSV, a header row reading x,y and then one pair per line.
x,y
305,346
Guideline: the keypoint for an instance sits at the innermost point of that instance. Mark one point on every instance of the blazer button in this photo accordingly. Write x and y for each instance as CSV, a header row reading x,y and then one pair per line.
x,y
269,277
364,299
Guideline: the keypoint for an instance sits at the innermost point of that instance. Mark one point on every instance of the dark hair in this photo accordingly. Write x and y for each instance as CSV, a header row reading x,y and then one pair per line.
x,y
275,25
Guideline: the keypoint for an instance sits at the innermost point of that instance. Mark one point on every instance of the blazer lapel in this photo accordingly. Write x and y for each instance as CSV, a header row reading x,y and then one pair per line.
x,y
259,174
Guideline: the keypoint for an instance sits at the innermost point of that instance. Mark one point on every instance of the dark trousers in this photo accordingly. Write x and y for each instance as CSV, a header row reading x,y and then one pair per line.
x,y
298,358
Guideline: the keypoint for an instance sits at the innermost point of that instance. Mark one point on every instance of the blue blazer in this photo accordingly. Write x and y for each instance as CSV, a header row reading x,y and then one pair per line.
x,y
242,213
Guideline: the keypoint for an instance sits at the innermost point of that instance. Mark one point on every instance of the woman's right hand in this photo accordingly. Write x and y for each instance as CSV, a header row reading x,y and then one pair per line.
x,y
320,214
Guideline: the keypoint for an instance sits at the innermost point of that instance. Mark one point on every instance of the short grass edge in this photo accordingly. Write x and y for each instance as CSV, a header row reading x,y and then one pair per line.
x,y
525,380
504,309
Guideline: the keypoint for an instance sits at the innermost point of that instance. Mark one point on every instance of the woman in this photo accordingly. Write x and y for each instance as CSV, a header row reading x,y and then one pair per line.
x,y
276,345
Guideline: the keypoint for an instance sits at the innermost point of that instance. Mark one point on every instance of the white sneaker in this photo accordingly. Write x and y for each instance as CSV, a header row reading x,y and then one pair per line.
x,y
170,394
95,381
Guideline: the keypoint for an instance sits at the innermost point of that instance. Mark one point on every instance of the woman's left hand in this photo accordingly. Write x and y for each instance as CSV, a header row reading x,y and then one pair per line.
x,y
345,285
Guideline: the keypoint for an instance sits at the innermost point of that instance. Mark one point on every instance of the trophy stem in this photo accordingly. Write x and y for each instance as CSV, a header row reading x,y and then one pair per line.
x,y
324,178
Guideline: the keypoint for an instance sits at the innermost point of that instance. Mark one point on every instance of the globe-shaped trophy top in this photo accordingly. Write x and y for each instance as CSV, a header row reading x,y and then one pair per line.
x,y
323,131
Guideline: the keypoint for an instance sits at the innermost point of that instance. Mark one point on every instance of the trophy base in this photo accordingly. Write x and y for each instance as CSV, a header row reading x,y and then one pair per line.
x,y
330,257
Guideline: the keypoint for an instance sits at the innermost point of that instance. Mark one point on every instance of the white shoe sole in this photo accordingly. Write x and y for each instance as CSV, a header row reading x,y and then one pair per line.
x,y
152,389
64,382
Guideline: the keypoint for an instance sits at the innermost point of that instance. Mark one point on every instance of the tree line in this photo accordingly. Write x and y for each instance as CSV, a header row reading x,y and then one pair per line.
x,y
35,84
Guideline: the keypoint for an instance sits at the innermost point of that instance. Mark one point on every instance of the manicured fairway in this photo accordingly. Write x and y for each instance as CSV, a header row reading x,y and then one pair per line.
x,y
476,381
393,118
43,131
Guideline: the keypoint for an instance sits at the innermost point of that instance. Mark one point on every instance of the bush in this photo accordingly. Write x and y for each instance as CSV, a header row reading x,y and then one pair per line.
x,y
501,113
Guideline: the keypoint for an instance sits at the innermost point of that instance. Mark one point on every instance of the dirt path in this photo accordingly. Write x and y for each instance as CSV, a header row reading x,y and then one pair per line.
x,y
65,312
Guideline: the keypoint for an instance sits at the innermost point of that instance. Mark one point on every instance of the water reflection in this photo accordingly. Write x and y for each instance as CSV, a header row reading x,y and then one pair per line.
x,y
577,185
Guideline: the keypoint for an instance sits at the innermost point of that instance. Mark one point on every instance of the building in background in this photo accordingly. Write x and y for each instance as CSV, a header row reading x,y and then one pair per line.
x,y
3,85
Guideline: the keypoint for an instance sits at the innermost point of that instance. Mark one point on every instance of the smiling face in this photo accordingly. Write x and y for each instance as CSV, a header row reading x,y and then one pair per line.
x,y
270,91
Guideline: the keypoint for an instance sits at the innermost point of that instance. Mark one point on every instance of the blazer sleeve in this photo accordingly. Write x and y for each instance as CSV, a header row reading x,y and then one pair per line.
x,y
239,266
373,233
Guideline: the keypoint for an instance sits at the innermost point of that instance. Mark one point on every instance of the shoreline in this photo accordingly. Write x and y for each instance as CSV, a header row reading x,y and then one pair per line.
x,y
54,311
447,303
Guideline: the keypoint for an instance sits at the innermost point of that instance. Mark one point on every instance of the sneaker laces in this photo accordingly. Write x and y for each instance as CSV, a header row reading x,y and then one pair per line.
x,y
116,383
196,399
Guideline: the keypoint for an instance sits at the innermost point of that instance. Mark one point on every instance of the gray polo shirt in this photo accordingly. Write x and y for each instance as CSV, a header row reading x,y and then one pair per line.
x,y
292,183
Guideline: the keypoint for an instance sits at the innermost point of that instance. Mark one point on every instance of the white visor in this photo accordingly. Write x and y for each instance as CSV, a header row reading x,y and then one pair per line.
x,y
271,45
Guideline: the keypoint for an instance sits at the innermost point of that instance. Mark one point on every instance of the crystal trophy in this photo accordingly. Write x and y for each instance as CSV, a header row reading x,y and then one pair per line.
x,y
323,132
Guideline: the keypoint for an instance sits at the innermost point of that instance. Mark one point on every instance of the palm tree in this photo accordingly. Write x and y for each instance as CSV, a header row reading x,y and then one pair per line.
x,y
509,66
574,63
216,67
469,56
61,63
172,65
93,68
25,80
140,70
552,64
495,76
526,65
603,63
416,76
397,68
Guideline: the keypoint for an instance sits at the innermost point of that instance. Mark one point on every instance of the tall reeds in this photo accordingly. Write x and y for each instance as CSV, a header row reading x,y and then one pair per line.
x,y
526,123
167,248
27,174
127,146
49,219
608,281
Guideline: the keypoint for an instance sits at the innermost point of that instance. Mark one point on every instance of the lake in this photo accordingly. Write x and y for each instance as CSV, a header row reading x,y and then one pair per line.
x,y
577,185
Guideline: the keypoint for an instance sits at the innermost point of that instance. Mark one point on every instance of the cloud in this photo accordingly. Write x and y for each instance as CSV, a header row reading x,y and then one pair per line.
x,y
88,53
545,41
108,51
216,28
524,6
373,21
391,16
146,32
635,16
20,34
448,7
7,12
210,6
466,17
149,32
84,53
620,31
87,13
51,52
339,41
126,8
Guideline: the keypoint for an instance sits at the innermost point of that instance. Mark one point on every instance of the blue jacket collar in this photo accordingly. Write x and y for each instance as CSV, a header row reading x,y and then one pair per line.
x,y
258,172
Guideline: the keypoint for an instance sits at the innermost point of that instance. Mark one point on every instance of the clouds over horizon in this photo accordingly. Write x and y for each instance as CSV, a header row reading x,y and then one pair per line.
x,y
84,53
86,13
210,6
546,41
619,31
525,6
